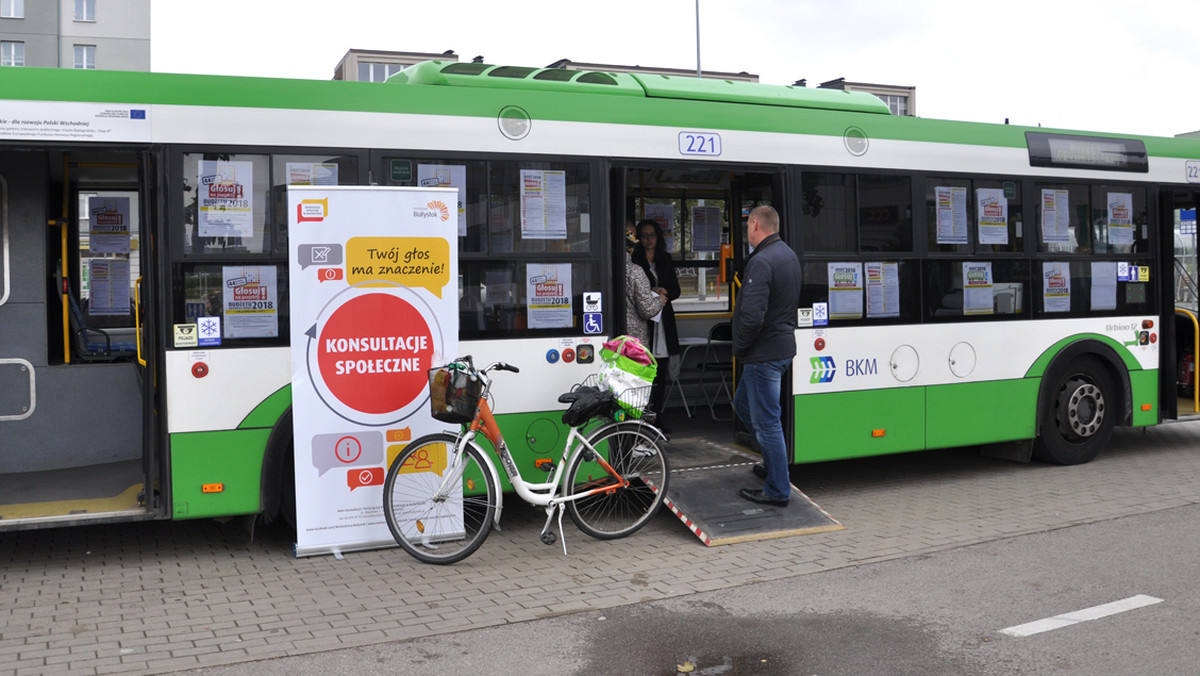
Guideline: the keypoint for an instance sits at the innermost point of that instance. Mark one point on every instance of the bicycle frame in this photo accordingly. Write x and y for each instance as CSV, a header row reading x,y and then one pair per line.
x,y
541,494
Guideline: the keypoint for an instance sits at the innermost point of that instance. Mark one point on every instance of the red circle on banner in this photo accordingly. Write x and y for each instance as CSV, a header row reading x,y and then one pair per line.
x,y
374,352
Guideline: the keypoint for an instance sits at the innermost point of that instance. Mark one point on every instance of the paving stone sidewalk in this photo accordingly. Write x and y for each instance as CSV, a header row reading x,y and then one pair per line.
x,y
166,597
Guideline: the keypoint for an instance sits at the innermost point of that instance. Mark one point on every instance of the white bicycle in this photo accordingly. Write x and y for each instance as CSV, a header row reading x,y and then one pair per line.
x,y
442,493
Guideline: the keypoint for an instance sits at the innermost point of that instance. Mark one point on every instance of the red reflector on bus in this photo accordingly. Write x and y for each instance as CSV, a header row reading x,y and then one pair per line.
x,y
878,433
1146,407
212,488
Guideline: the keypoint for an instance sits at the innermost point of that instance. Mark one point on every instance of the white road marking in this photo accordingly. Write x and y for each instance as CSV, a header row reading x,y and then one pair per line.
x,y
1093,613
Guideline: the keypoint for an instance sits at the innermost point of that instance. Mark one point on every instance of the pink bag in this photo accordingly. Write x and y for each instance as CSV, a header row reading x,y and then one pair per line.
x,y
628,346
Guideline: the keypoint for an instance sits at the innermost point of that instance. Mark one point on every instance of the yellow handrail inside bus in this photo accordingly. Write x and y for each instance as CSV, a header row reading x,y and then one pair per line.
x,y
1195,352
137,317
64,264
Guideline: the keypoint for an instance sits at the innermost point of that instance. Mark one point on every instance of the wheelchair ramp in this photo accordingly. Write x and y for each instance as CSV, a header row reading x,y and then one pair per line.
x,y
703,493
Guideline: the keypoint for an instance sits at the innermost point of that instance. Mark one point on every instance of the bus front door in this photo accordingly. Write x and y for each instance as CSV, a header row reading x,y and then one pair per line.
x,y
73,394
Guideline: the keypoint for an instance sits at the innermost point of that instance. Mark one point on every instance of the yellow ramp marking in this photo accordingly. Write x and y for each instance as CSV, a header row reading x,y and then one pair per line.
x,y
127,499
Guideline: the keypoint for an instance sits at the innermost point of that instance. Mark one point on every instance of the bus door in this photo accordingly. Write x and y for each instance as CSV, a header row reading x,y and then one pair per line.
x,y
75,398
701,210
1181,306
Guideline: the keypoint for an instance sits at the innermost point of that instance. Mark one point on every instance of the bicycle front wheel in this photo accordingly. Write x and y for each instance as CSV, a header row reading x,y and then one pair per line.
x,y
432,523
612,510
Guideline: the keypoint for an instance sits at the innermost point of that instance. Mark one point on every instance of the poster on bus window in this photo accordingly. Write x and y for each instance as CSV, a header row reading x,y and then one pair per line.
x,y
108,287
1104,285
225,199
108,225
845,291
992,208
1056,216
250,301
373,282
1056,286
447,176
706,228
883,289
312,173
543,204
951,214
1120,218
548,296
978,298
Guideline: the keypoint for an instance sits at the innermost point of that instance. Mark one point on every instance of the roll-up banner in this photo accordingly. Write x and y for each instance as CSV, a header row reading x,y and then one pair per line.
x,y
374,305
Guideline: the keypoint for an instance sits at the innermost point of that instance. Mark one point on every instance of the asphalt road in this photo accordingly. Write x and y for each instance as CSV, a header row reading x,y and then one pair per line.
x,y
933,614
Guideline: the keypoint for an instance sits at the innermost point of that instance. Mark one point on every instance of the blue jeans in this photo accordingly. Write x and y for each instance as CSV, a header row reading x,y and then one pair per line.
x,y
757,405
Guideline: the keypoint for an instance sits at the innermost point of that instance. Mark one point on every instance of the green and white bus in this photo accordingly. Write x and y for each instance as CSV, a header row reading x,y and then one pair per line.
x,y
133,204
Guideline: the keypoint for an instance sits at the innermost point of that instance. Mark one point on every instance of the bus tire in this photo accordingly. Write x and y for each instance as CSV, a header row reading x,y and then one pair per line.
x,y
1079,414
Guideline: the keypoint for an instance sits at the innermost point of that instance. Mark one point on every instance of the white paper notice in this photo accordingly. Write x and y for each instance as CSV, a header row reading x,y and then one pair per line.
x,y
706,228
1104,285
993,216
543,204
845,291
1056,216
312,173
1056,286
447,176
951,215
1120,218
108,291
977,288
548,295
883,289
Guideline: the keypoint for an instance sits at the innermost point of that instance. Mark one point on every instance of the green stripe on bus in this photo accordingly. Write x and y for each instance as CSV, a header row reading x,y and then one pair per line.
x,y
1038,368
231,459
268,413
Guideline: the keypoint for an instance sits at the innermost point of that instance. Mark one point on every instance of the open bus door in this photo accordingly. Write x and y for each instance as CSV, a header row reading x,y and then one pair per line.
x,y
76,383
1181,307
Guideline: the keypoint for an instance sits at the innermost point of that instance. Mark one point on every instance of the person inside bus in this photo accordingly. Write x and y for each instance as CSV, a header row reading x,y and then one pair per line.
x,y
642,303
652,256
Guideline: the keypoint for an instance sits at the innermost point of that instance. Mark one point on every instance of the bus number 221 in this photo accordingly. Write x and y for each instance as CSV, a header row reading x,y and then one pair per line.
x,y
699,143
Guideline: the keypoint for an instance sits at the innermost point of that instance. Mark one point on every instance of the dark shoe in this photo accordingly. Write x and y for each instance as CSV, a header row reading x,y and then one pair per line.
x,y
756,495
760,470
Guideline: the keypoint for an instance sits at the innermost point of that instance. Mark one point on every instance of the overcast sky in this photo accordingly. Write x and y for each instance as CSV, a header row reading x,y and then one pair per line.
x,y
1099,65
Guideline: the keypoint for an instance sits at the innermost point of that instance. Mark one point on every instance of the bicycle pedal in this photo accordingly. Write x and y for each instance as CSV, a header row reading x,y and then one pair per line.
x,y
549,538
546,467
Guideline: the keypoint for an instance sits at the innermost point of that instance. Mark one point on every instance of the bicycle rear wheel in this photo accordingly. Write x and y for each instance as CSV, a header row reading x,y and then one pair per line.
x,y
439,528
616,511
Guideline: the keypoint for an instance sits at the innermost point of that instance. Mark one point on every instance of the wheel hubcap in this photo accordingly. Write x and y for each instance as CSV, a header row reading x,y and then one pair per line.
x,y
1083,412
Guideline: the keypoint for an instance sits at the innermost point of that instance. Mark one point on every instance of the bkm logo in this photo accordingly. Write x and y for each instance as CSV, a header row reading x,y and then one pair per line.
x,y
823,368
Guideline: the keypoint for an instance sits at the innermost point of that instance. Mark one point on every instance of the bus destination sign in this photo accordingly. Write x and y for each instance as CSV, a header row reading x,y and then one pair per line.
x,y
1069,151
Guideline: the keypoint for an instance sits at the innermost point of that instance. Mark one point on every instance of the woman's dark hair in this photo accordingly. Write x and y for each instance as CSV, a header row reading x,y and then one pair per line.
x,y
660,243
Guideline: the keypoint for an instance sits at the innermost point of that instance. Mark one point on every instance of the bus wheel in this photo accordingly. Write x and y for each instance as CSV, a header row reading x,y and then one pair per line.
x,y
1080,414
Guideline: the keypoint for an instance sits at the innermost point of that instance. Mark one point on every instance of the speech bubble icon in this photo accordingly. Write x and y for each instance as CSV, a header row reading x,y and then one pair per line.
x,y
330,274
416,262
350,449
365,476
319,254
428,458
312,210
402,434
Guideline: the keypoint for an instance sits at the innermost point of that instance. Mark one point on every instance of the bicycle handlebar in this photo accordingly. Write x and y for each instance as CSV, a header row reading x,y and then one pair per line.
x,y
494,366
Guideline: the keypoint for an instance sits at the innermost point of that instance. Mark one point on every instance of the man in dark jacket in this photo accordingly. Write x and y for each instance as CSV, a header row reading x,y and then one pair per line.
x,y
764,341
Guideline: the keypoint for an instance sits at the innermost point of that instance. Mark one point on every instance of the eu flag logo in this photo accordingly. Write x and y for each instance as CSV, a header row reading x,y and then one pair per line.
x,y
137,114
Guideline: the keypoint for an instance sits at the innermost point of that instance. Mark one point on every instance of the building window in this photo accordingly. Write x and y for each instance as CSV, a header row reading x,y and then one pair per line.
x,y
85,56
12,53
12,9
85,10
898,104
377,72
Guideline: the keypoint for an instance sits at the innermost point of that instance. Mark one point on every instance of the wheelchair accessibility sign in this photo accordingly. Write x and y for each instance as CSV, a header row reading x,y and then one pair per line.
x,y
593,323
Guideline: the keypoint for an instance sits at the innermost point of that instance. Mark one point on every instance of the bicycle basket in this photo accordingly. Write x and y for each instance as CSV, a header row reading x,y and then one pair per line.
x,y
453,394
